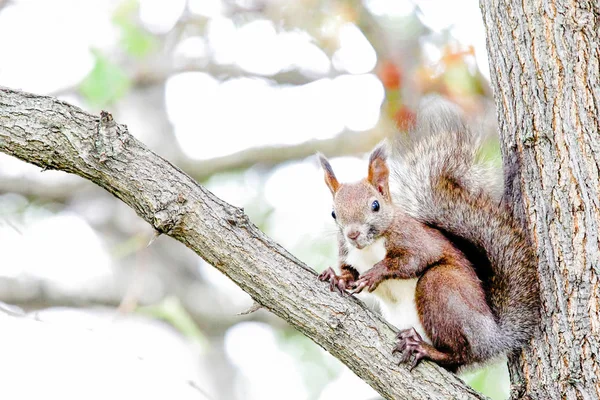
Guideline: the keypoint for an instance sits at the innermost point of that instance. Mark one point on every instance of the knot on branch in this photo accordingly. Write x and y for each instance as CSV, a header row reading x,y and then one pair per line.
x,y
237,217
337,319
111,137
334,322
169,215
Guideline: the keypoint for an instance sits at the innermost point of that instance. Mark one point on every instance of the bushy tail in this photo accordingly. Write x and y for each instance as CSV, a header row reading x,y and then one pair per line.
x,y
436,177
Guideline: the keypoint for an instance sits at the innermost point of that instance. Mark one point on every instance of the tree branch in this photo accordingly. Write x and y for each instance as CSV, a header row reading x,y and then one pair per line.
x,y
145,74
346,143
53,134
37,188
37,293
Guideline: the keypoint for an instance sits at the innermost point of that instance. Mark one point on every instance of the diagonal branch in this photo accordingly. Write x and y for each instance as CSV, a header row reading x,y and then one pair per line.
x,y
53,134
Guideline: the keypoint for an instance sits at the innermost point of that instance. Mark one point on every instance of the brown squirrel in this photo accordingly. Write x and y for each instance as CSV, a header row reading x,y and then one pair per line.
x,y
450,265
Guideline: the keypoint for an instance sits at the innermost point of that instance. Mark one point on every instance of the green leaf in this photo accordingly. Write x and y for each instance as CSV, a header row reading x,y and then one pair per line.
x,y
490,152
492,380
124,11
461,80
106,82
134,39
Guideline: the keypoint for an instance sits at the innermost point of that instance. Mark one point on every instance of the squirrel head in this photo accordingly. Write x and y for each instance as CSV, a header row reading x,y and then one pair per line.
x,y
362,210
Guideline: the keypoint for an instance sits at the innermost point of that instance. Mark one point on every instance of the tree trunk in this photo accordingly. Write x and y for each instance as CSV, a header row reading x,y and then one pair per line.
x,y
544,60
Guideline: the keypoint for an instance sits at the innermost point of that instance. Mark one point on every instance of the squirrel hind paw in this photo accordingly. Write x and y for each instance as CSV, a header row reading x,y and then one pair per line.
x,y
411,347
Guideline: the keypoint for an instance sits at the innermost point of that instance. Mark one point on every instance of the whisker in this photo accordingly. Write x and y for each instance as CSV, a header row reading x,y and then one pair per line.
x,y
329,232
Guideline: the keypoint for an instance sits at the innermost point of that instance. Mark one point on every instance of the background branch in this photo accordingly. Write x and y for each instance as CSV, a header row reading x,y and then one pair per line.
x,y
53,134
346,143
157,73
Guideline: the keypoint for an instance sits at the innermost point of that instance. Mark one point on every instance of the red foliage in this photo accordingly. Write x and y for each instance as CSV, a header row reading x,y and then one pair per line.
x,y
454,56
390,75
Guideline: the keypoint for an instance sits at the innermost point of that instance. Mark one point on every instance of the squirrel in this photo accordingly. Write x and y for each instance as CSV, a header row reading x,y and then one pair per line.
x,y
452,268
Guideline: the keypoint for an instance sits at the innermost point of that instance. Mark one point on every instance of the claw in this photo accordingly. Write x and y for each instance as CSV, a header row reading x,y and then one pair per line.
x,y
405,345
418,356
341,286
405,356
369,280
358,287
410,332
409,345
336,284
327,274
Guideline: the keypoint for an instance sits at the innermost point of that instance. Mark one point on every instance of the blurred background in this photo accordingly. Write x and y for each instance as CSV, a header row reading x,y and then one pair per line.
x,y
240,94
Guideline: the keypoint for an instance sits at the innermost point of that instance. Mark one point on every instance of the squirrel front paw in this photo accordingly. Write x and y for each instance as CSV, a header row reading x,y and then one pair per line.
x,y
336,283
369,280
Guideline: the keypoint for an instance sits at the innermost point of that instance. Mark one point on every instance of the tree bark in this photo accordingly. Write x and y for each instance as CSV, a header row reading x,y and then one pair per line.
x,y
545,68
55,135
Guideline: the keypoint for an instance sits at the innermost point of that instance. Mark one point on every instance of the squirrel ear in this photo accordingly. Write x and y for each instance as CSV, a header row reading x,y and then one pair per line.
x,y
378,170
330,179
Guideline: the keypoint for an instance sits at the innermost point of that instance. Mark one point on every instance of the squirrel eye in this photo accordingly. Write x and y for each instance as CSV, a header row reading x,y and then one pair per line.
x,y
375,206
333,214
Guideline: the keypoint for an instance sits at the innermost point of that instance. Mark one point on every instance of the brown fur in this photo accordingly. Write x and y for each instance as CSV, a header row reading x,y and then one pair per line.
x,y
450,298
379,172
330,179
451,304
477,295
437,178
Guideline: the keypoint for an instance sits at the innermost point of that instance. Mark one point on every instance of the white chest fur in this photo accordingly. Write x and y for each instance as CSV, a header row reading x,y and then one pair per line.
x,y
362,260
396,296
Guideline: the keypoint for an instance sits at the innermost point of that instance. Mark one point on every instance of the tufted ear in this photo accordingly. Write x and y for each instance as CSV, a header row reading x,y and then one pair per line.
x,y
378,170
330,179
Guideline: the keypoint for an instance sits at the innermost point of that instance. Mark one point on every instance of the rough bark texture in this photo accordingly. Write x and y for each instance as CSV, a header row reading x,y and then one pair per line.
x,y
545,68
56,135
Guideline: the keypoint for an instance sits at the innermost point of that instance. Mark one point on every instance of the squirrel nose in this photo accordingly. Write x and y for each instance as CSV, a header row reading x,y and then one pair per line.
x,y
353,235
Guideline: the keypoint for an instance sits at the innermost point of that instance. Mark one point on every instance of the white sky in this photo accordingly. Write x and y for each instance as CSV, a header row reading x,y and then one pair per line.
x,y
75,354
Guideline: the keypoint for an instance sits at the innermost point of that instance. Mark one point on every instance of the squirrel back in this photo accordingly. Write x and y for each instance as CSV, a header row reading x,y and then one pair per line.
x,y
437,178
